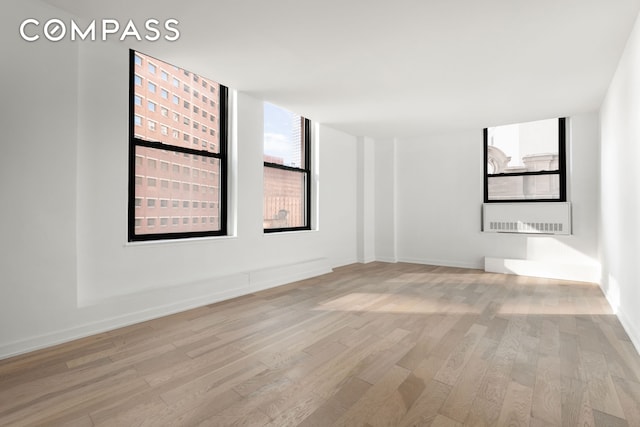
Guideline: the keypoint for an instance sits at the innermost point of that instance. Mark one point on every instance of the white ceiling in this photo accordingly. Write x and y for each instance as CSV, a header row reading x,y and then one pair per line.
x,y
396,68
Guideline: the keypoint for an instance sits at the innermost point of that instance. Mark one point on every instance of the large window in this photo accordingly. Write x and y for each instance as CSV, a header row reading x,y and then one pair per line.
x,y
198,169
287,183
525,162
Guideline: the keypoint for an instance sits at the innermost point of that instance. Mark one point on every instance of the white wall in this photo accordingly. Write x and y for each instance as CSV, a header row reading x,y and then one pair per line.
x,y
620,188
440,187
38,170
67,269
385,201
366,170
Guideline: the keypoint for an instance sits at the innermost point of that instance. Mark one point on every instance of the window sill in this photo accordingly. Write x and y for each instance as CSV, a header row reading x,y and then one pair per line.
x,y
196,240
286,232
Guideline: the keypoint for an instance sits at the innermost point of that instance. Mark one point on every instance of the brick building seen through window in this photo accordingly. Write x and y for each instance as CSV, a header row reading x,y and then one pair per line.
x,y
175,191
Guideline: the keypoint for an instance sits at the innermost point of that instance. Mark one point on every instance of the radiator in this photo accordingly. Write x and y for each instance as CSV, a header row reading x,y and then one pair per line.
x,y
529,218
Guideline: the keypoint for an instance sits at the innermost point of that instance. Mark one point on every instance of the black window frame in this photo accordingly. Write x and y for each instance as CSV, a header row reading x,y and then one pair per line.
x,y
562,169
306,170
222,155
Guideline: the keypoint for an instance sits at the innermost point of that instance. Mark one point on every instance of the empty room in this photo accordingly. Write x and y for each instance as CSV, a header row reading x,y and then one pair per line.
x,y
320,213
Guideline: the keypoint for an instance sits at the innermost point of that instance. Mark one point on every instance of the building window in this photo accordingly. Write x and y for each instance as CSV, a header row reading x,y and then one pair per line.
x,y
287,173
166,146
526,162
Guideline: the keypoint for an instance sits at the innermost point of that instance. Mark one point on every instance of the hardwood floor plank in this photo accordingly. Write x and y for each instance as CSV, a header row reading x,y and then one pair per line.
x,y
629,394
463,393
367,345
603,419
602,392
516,409
426,406
460,355
547,392
576,408
374,397
483,413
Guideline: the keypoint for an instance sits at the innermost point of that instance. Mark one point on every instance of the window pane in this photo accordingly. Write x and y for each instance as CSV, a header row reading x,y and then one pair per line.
x,y
165,91
546,187
523,147
283,139
203,202
284,198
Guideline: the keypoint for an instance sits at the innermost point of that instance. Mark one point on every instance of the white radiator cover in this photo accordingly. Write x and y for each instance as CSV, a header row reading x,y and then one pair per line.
x,y
527,218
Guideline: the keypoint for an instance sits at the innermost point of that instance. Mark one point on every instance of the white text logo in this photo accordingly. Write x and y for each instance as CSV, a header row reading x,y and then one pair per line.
x,y
56,29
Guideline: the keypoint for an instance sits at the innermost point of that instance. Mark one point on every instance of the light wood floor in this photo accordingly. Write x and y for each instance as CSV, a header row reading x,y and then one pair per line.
x,y
371,345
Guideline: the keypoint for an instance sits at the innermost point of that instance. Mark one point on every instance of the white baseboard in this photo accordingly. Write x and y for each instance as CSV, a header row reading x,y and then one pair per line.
x,y
391,260
442,263
631,330
161,303
627,324
281,275
345,261
550,270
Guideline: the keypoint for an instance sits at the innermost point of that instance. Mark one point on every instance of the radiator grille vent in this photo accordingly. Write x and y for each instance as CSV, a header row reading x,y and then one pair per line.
x,y
530,218
526,227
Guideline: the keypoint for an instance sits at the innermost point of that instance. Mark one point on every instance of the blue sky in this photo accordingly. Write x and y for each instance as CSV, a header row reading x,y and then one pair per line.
x,y
277,134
